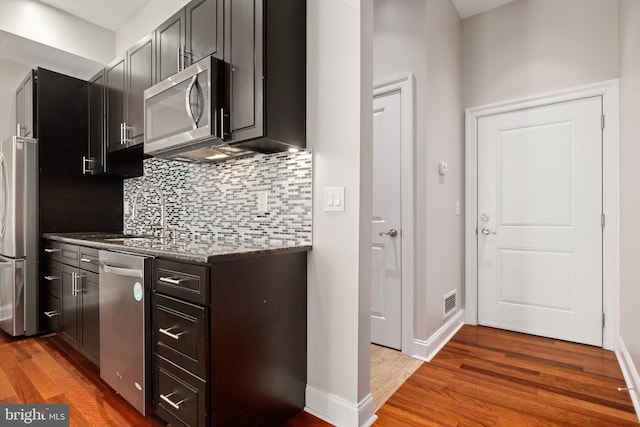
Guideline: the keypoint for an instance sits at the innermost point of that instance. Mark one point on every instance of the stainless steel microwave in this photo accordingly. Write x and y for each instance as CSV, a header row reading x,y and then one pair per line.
x,y
184,114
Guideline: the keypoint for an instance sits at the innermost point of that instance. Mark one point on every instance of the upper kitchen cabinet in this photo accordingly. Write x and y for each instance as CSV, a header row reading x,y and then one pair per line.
x,y
124,82
95,162
194,32
140,76
126,79
265,56
25,101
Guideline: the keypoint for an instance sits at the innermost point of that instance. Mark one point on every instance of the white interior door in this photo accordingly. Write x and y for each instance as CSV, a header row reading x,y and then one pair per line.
x,y
386,293
539,221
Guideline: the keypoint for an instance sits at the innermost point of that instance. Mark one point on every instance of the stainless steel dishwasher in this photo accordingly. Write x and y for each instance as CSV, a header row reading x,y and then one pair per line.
x,y
123,302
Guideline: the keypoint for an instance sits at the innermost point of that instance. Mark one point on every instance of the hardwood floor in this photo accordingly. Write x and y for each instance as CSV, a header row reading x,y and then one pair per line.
x,y
489,377
482,377
46,370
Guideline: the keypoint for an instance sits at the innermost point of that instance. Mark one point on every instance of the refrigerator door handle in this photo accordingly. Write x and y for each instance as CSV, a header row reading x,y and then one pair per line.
x,y
3,196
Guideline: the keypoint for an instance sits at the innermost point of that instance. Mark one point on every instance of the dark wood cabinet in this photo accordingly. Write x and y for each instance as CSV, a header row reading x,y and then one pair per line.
x,y
205,29
237,358
126,80
69,328
25,102
72,270
192,33
96,160
140,76
265,58
170,37
116,103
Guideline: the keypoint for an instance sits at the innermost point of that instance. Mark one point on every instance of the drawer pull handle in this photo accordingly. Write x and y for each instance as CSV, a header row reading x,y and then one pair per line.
x,y
172,281
169,334
86,260
50,251
176,406
50,278
51,314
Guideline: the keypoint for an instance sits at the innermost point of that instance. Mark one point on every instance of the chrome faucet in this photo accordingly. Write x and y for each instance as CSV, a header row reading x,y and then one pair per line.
x,y
163,212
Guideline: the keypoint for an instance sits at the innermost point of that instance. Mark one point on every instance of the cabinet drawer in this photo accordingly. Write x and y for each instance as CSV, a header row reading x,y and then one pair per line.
x,y
89,259
51,280
179,397
186,281
52,250
181,333
51,312
62,252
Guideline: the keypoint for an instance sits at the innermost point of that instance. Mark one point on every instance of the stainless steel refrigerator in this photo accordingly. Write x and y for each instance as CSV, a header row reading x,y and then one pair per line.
x,y
18,236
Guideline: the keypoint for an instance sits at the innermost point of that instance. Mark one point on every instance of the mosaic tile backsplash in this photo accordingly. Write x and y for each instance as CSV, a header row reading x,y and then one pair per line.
x,y
220,201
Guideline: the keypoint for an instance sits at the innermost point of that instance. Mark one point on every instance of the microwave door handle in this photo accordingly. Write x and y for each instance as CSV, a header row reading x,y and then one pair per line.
x,y
187,101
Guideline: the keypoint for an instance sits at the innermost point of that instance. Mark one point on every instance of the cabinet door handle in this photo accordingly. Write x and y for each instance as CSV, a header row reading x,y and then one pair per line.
x,y
50,278
175,406
172,281
50,251
125,133
51,314
222,123
74,281
87,165
169,334
178,58
86,260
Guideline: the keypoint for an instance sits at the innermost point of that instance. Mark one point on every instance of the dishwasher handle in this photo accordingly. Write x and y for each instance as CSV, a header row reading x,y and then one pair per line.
x,y
121,271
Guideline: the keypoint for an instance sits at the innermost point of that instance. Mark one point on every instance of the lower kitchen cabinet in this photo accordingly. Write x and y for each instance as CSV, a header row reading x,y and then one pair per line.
x,y
179,397
71,303
239,357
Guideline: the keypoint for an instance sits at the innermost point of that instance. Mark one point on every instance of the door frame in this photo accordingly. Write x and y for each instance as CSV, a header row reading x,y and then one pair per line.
x,y
609,90
405,85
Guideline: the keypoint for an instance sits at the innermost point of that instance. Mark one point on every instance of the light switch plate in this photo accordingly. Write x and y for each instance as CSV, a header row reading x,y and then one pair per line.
x,y
334,199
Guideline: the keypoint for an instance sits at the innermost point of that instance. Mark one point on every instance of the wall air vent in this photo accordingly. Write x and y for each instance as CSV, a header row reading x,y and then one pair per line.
x,y
449,303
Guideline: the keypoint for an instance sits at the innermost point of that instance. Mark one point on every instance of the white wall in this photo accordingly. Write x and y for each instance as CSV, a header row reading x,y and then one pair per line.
x,y
445,142
424,38
339,131
144,22
536,46
399,47
11,75
629,16
44,24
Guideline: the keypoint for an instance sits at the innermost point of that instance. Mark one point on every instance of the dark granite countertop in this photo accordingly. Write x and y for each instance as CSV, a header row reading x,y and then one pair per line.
x,y
200,249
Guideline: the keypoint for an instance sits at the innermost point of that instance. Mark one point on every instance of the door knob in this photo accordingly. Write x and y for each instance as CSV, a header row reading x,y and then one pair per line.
x,y
391,233
486,231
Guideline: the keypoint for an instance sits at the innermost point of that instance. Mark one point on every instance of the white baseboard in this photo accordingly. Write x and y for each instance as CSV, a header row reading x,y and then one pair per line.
x,y
426,350
338,411
630,374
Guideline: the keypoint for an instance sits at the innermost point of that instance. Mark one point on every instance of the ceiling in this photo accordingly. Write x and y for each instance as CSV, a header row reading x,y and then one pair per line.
x,y
467,8
110,14
113,14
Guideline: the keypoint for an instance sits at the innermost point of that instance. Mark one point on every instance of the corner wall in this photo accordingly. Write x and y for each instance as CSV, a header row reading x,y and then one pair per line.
x,y
629,17
11,75
339,133
445,142
425,38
